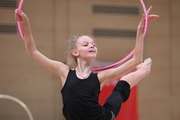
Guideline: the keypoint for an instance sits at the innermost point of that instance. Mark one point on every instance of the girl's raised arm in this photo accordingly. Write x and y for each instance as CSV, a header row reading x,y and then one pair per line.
x,y
55,66
114,73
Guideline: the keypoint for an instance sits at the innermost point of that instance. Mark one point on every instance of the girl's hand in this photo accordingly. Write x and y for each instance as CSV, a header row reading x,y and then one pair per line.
x,y
150,18
20,16
24,22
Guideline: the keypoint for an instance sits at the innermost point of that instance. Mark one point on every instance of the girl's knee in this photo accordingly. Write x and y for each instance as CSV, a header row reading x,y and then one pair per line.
x,y
124,88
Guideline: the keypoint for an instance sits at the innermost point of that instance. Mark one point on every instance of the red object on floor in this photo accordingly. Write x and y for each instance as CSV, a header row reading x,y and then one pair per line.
x,y
128,109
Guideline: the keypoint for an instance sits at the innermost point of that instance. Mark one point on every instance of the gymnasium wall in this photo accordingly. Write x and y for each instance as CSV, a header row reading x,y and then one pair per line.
x,y
53,22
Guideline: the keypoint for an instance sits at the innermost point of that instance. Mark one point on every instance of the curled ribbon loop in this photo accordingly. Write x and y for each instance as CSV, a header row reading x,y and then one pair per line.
x,y
132,52
110,66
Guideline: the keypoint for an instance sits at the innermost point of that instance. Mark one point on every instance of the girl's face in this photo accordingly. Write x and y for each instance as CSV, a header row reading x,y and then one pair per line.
x,y
85,48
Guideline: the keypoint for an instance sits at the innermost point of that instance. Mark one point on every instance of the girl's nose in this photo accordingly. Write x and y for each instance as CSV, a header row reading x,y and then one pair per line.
x,y
92,45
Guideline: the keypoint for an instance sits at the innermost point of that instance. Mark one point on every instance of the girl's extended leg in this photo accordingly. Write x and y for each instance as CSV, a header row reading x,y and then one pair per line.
x,y
122,90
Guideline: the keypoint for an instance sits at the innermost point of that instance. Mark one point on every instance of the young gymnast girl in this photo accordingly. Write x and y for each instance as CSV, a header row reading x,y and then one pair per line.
x,y
80,85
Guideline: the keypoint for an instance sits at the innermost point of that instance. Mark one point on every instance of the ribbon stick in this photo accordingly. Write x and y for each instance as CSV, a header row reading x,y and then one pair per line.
x,y
146,17
19,25
132,52
20,4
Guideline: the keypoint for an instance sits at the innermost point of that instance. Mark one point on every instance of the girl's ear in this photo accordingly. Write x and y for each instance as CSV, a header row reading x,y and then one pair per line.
x,y
75,53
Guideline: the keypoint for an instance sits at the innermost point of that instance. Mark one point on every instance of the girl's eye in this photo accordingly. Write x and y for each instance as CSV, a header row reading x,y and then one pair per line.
x,y
85,45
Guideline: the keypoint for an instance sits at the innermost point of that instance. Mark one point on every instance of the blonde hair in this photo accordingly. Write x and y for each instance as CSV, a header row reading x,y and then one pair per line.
x,y
71,59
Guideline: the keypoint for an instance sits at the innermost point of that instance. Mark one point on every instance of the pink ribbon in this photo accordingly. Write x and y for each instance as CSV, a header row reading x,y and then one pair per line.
x,y
106,67
132,52
19,25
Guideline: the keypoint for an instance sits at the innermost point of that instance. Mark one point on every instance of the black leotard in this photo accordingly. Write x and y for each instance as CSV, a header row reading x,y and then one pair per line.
x,y
80,99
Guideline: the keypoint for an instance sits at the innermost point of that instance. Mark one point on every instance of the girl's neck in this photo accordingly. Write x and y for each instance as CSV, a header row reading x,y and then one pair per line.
x,y
83,65
83,69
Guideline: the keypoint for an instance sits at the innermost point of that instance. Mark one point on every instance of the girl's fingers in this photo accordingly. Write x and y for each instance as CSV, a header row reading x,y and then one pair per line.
x,y
17,11
141,23
19,15
18,18
152,17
